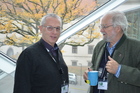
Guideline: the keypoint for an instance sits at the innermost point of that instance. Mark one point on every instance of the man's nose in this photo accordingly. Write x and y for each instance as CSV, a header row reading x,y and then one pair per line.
x,y
101,30
55,30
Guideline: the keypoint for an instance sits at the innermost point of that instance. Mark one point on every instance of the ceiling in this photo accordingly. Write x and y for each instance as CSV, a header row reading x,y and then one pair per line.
x,y
129,5
126,6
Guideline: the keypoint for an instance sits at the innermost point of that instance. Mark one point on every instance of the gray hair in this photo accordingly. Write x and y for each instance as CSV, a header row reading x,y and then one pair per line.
x,y
43,20
119,19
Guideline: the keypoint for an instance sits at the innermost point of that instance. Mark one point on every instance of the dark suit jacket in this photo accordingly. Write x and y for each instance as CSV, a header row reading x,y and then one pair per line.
x,y
37,72
127,53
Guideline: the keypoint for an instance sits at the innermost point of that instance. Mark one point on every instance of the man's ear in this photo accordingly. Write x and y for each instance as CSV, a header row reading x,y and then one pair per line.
x,y
118,28
40,28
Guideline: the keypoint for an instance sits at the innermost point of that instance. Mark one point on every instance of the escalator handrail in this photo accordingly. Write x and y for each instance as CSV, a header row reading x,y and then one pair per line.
x,y
6,56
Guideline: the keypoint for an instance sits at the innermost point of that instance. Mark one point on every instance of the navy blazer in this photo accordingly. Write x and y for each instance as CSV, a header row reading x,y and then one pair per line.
x,y
37,72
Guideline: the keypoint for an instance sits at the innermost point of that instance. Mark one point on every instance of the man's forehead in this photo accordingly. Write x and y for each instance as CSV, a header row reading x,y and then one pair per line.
x,y
106,21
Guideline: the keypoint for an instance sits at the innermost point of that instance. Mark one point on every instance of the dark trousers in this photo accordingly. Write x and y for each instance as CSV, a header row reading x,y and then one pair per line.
x,y
96,90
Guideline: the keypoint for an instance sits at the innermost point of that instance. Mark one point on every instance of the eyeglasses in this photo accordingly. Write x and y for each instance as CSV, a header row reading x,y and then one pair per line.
x,y
104,27
51,28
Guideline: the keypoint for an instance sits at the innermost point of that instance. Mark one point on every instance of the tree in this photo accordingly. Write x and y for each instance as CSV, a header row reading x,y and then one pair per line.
x,y
20,18
85,36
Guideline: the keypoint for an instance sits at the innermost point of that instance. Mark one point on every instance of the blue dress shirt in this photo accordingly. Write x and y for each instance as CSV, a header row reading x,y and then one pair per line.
x,y
110,50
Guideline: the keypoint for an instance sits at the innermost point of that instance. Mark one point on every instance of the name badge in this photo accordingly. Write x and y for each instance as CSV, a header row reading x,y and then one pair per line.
x,y
64,89
102,85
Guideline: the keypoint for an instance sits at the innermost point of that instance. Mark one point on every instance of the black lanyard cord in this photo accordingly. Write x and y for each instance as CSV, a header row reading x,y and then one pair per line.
x,y
57,61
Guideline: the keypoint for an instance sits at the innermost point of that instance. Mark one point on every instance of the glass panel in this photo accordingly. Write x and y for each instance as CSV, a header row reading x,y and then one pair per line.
x,y
78,66
77,63
134,23
1,71
92,5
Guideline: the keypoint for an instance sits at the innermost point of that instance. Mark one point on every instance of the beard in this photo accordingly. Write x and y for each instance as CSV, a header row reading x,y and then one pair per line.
x,y
108,38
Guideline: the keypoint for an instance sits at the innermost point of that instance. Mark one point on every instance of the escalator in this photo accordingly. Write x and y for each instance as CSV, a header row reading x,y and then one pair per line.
x,y
7,65
7,69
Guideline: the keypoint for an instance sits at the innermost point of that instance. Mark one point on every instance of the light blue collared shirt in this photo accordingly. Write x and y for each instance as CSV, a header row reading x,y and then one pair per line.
x,y
110,50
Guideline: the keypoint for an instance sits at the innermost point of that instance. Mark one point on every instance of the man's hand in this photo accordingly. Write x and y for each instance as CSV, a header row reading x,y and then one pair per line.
x,y
85,76
112,65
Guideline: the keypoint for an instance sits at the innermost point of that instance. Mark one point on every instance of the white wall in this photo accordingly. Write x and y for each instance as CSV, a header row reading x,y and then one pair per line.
x,y
82,55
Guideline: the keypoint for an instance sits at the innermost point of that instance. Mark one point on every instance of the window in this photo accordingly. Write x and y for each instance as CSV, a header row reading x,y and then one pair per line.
x,y
74,62
74,49
90,49
89,63
134,23
10,52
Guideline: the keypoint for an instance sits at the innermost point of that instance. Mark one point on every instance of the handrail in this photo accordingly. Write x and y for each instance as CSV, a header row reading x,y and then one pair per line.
x,y
6,56
7,64
111,4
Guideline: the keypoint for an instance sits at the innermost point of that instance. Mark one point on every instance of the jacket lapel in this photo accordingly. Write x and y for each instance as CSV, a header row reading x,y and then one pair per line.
x,y
118,53
119,50
101,52
59,56
118,56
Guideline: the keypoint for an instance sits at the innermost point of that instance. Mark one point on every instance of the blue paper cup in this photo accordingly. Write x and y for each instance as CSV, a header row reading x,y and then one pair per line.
x,y
93,78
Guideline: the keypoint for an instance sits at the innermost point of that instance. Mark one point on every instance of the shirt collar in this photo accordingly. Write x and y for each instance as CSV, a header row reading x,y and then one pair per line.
x,y
113,47
49,47
108,43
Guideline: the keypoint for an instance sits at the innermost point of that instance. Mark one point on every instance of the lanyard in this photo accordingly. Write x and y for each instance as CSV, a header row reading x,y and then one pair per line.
x,y
61,71
51,55
58,64
104,71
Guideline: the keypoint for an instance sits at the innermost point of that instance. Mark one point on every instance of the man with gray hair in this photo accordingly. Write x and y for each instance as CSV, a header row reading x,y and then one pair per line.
x,y
116,57
40,67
